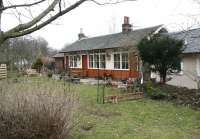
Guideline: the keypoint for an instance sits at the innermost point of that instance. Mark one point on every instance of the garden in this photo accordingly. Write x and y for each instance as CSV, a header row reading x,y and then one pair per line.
x,y
79,116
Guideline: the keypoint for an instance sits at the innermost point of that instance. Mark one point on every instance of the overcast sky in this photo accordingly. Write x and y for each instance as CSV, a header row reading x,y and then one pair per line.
x,y
100,20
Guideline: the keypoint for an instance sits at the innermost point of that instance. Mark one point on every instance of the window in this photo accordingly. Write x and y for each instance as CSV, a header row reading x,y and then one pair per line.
x,y
121,61
117,63
97,61
181,72
102,61
74,61
124,60
91,59
198,66
71,64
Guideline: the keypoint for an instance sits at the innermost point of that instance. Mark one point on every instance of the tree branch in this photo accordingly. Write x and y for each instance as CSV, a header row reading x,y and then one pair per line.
x,y
27,25
31,26
107,3
21,5
28,31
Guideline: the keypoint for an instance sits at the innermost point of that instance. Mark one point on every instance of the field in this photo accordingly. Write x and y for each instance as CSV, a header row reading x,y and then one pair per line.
x,y
138,119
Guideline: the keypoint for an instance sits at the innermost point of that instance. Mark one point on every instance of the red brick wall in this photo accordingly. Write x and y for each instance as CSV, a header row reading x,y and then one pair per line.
x,y
115,74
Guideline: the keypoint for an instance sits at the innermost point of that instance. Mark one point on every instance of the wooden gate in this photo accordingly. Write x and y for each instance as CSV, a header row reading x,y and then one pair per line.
x,y
3,71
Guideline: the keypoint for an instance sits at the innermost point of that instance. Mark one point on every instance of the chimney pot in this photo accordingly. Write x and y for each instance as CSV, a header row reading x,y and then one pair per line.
x,y
126,20
126,26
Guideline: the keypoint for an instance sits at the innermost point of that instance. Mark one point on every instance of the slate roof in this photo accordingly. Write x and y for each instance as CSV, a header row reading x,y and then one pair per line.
x,y
58,55
191,39
111,41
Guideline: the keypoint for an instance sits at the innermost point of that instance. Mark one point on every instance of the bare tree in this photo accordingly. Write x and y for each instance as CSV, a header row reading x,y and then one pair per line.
x,y
54,9
21,52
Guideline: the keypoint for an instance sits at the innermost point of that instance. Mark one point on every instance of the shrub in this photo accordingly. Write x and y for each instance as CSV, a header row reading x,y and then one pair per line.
x,y
158,94
35,112
149,87
153,92
49,74
38,65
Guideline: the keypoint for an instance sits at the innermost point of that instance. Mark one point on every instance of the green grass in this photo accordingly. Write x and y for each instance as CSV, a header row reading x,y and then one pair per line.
x,y
139,119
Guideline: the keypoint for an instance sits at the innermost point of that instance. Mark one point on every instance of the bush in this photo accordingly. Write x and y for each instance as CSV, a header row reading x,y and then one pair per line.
x,y
35,112
49,74
158,94
38,65
149,87
153,92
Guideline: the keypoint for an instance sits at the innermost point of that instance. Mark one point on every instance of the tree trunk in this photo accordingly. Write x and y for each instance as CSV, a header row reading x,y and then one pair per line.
x,y
163,76
146,72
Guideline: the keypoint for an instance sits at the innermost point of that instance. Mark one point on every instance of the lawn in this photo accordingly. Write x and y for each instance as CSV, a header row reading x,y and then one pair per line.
x,y
138,119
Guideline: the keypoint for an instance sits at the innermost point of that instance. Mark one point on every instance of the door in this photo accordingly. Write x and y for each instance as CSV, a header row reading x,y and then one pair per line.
x,y
65,63
84,65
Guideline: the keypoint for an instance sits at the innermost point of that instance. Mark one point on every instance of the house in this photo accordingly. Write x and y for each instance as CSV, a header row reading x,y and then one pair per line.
x,y
113,55
59,61
190,65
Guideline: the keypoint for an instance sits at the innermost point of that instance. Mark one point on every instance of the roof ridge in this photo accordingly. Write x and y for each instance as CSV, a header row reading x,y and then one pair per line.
x,y
111,40
120,33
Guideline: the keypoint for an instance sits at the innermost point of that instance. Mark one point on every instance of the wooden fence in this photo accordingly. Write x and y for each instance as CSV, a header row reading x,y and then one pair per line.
x,y
3,71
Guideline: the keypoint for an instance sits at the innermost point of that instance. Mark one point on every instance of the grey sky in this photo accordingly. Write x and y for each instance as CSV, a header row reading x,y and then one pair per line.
x,y
100,20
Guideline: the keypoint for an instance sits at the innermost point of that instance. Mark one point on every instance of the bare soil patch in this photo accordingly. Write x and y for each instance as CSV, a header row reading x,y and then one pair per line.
x,y
181,95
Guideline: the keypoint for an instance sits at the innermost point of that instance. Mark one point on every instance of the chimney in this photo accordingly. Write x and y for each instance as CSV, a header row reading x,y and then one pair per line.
x,y
81,35
126,26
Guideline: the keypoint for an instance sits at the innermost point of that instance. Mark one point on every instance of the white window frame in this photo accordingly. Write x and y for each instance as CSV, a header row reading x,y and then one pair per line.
x,y
120,60
78,62
90,62
99,61
126,61
181,72
198,66
102,61
96,61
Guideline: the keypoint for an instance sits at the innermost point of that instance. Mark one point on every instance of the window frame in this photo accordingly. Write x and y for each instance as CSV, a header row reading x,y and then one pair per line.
x,y
98,66
72,63
118,61
121,62
181,66
90,62
125,61
102,63
198,66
